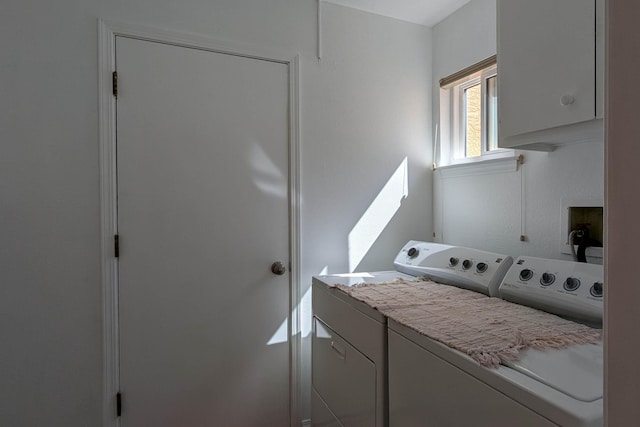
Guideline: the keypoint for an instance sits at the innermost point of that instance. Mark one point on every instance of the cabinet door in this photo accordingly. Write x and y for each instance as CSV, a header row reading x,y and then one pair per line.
x,y
546,64
343,378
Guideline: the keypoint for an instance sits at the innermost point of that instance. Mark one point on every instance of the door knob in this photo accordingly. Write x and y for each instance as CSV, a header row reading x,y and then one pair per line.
x,y
278,268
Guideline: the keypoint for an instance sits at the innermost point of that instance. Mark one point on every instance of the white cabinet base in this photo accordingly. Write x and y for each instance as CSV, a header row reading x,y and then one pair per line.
x,y
349,353
425,390
343,377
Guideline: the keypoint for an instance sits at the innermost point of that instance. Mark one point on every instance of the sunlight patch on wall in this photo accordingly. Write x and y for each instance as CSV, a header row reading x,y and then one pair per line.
x,y
281,334
266,175
378,215
357,275
306,322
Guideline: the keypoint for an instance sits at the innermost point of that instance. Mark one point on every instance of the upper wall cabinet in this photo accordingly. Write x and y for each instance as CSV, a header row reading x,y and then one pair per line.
x,y
551,72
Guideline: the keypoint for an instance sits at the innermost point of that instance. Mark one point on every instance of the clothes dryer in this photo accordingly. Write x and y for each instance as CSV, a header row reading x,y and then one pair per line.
x,y
350,342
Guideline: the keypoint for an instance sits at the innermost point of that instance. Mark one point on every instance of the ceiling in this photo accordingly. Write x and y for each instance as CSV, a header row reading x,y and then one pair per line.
x,y
424,12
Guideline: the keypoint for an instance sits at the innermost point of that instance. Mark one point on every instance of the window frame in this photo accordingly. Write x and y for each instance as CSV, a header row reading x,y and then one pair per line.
x,y
452,138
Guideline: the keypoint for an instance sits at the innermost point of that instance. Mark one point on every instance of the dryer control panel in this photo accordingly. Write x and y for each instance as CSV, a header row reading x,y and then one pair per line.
x,y
566,288
472,269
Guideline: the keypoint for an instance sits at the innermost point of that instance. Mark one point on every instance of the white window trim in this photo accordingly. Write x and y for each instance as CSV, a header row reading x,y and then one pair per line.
x,y
459,107
451,141
507,162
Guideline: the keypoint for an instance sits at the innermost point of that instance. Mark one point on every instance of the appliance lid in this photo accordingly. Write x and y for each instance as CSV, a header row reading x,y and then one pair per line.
x,y
576,371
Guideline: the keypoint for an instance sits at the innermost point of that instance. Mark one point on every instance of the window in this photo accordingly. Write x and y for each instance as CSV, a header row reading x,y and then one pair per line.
x,y
469,115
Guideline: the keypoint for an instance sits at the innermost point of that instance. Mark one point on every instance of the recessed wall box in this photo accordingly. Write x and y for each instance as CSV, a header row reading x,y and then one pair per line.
x,y
585,216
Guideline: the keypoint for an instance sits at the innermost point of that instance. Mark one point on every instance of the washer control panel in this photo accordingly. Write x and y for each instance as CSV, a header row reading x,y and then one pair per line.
x,y
467,268
570,289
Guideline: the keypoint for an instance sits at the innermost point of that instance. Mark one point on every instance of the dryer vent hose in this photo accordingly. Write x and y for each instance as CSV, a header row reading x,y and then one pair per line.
x,y
572,236
584,242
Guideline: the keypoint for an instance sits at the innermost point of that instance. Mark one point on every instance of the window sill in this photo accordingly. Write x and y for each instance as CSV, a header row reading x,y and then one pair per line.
x,y
496,163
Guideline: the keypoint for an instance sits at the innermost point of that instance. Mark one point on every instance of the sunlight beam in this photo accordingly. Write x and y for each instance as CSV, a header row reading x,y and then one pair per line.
x,y
378,215
266,174
280,335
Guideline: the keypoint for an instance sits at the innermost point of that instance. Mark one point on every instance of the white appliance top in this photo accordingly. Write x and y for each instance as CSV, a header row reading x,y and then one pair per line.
x,y
570,289
576,371
472,269
351,279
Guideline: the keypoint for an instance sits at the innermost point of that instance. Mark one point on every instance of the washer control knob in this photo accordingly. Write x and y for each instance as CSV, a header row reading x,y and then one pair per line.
x,y
453,261
413,252
571,284
467,264
481,267
596,290
526,274
547,279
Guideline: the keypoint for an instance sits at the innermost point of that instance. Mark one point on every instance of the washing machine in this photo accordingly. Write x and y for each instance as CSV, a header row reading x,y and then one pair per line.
x,y
431,384
350,342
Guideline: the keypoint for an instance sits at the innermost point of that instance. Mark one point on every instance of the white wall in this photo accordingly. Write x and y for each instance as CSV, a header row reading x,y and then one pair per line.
x,y
364,109
483,210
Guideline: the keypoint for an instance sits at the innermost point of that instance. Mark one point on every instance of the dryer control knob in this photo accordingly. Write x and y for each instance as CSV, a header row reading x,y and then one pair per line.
x,y
596,290
453,261
547,279
571,284
413,252
467,264
526,274
481,267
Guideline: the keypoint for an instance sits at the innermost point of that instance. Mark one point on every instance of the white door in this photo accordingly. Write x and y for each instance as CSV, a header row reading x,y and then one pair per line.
x,y
202,174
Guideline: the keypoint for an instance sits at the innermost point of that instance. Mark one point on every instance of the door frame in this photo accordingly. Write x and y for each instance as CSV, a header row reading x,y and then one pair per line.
x,y
107,32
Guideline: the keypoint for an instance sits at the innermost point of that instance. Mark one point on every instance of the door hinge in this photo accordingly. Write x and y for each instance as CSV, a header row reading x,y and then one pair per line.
x,y
118,404
114,83
116,246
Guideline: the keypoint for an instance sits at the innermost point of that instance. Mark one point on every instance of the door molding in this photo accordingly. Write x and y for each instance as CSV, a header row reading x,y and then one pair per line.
x,y
107,32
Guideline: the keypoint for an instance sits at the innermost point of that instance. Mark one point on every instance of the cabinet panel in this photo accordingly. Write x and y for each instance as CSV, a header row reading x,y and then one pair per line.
x,y
547,65
426,391
321,415
343,377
